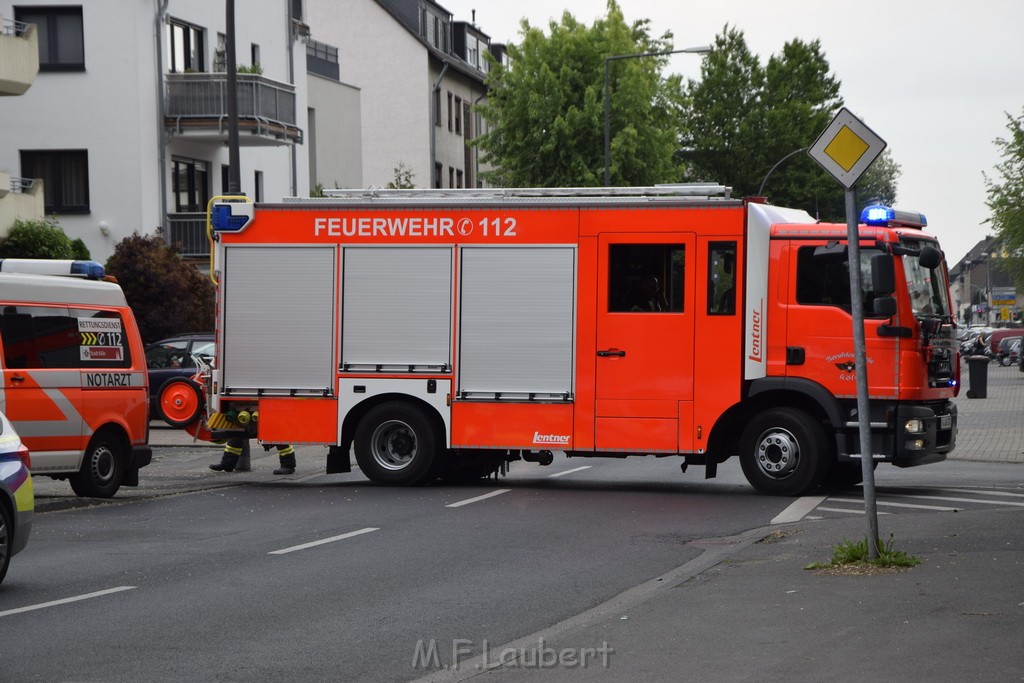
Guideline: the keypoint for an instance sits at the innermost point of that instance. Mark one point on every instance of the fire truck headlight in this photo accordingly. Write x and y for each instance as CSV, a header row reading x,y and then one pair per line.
x,y
915,426
915,445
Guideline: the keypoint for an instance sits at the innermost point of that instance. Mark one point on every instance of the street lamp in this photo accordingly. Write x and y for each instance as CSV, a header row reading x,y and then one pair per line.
x,y
760,190
702,50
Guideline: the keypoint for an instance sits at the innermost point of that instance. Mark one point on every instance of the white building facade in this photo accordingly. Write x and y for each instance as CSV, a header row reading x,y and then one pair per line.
x,y
126,122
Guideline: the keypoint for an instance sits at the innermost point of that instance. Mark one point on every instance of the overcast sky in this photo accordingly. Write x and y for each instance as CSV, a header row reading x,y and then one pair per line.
x,y
933,78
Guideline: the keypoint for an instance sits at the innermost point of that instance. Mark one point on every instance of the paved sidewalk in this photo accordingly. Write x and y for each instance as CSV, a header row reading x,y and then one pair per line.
x,y
992,428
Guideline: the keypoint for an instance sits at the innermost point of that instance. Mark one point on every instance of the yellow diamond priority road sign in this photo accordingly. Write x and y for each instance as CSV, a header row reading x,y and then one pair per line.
x,y
846,148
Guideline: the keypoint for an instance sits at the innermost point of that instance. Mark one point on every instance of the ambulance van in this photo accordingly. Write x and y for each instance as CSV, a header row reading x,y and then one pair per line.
x,y
74,374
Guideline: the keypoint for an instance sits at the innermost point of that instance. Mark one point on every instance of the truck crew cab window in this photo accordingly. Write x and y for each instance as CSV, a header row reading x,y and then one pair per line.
x,y
51,337
824,280
722,278
646,278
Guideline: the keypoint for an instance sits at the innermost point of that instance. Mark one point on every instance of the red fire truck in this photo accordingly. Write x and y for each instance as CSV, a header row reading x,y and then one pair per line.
x,y
447,333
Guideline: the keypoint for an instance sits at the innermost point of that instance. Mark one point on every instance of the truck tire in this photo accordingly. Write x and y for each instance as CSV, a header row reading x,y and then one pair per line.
x,y
102,467
397,444
181,402
784,452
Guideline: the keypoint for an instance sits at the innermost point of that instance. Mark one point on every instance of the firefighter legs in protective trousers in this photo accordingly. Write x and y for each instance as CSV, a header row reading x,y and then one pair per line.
x,y
234,451
287,455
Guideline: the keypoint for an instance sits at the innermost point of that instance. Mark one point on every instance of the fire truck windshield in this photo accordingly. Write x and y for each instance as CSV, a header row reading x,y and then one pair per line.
x,y
928,289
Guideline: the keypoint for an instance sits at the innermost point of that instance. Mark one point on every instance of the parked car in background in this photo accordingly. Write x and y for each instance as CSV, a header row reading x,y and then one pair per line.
x,y
1009,351
173,396
17,502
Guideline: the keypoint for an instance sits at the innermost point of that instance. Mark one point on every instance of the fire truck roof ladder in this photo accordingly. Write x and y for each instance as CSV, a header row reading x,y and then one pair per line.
x,y
654,192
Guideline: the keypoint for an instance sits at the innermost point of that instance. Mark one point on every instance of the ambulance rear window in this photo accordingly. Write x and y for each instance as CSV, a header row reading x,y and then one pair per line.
x,y
56,337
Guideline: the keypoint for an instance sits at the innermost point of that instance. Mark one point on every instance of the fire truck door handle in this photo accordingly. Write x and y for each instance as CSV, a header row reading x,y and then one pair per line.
x,y
612,352
17,378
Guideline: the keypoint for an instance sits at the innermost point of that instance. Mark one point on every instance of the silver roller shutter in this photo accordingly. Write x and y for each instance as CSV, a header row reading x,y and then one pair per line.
x,y
397,308
516,322
279,322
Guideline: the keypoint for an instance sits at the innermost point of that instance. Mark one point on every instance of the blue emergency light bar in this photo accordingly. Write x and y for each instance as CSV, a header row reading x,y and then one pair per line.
x,y
66,267
231,216
89,269
892,218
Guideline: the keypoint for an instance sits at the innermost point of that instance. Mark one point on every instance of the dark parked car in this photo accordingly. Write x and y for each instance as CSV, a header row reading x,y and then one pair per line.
x,y
17,502
173,395
1009,351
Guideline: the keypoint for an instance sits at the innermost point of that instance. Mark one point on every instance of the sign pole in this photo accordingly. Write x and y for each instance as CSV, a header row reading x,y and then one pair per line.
x,y
861,363
846,148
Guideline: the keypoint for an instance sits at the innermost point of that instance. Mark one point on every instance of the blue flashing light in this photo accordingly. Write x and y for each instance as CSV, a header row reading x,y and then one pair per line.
x,y
877,215
890,217
88,269
224,220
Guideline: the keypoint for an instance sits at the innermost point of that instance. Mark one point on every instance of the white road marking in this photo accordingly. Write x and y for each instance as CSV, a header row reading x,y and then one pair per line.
x,y
322,541
973,500
54,603
492,494
984,492
899,505
851,512
800,507
575,469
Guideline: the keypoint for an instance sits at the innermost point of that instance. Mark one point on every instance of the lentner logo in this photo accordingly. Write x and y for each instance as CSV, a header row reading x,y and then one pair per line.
x,y
551,439
756,332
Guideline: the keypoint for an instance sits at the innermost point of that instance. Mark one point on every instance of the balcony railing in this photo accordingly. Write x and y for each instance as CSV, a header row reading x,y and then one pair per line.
x,y
187,233
19,56
197,106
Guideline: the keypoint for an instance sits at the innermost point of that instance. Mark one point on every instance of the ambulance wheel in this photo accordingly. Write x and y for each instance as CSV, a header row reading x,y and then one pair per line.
x,y
180,402
784,451
398,444
102,468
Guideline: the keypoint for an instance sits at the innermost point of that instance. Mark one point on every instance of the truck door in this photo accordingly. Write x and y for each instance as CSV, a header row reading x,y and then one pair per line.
x,y
644,354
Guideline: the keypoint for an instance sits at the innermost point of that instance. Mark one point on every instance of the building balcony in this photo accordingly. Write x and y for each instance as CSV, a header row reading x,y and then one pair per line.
x,y
196,107
186,232
19,198
19,56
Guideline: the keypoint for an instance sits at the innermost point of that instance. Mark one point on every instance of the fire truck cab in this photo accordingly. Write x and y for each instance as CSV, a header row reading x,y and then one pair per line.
x,y
446,333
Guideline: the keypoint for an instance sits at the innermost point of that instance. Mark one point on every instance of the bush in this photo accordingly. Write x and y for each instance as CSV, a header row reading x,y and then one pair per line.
x,y
167,295
42,238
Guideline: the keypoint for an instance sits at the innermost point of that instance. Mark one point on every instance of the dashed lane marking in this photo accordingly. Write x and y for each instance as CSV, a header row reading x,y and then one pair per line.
x,y
468,501
575,469
65,601
322,541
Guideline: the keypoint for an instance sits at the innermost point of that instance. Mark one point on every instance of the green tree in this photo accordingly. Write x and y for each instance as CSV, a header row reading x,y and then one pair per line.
x,y
403,178
746,121
167,295
1006,195
42,238
546,111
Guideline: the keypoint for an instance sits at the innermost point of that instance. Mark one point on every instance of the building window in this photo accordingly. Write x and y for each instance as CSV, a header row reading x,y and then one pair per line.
x,y
190,185
458,178
257,181
65,175
437,107
296,9
186,48
61,38
458,115
451,176
254,53
450,116
438,170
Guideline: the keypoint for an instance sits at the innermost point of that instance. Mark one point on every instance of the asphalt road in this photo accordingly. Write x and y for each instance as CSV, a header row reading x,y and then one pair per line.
x,y
251,576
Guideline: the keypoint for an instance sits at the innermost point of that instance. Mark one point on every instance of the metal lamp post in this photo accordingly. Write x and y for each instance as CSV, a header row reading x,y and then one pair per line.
x,y
702,50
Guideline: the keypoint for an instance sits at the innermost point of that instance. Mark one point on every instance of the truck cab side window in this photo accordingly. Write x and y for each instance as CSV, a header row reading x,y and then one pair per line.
x,y
722,278
825,280
646,278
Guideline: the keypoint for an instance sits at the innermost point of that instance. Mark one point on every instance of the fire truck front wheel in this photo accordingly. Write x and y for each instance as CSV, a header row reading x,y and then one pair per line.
x,y
102,467
397,443
784,451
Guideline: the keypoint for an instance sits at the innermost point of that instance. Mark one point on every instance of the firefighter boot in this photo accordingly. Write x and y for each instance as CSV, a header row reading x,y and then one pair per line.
x,y
227,463
287,455
232,452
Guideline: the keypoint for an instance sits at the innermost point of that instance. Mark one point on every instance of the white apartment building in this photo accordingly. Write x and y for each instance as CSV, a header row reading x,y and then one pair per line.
x,y
418,73
19,64
126,122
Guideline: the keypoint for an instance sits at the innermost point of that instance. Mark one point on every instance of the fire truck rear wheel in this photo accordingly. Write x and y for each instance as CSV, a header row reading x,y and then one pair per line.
x,y
102,468
784,451
397,443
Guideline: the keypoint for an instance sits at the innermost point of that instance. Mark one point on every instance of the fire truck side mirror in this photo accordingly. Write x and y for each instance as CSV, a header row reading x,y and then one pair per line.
x,y
930,257
883,274
884,306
